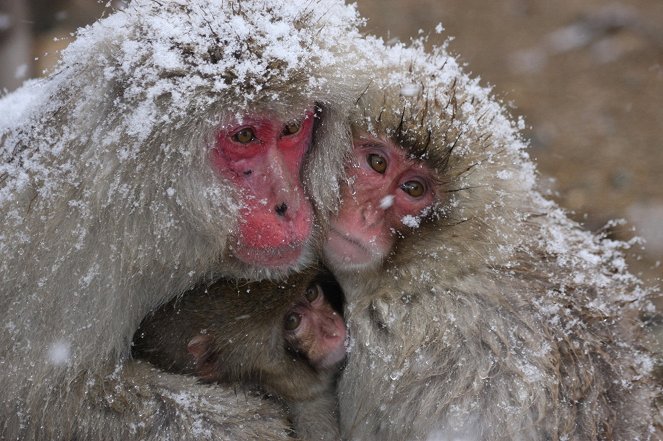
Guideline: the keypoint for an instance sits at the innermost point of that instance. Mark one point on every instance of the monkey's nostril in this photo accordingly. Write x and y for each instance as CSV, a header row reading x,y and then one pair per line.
x,y
281,209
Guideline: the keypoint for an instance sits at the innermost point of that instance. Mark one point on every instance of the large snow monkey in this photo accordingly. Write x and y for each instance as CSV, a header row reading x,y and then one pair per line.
x,y
479,309
175,143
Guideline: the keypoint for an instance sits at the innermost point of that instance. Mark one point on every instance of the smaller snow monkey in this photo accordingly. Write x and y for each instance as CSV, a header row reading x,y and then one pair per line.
x,y
475,308
283,336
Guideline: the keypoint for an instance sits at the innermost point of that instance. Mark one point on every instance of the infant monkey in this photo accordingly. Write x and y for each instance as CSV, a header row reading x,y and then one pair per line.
x,y
285,337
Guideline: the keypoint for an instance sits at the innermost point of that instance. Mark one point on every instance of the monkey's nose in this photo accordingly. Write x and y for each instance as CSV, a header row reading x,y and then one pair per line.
x,y
281,209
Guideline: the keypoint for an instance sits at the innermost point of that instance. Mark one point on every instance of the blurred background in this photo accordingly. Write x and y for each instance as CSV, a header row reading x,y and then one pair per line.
x,y
587,75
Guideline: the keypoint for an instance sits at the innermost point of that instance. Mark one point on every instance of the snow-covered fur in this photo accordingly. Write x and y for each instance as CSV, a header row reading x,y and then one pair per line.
x,y
498,318
109,206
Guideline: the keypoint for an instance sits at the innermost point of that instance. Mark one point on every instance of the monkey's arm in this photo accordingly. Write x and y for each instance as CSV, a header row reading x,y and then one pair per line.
x,y
317,418
139,402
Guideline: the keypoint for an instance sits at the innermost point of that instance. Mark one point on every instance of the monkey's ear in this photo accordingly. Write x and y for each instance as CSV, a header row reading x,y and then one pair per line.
x,y
200,348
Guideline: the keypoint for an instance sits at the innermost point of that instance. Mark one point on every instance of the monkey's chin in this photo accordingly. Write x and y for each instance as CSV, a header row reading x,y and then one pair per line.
x,y
333,359
344,253
273,258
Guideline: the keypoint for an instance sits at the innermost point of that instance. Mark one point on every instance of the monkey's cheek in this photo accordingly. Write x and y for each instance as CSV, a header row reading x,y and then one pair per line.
x,y
332,350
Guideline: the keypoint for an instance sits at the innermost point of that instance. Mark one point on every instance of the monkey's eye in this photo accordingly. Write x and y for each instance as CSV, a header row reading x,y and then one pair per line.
x,y
377,162
244,136
413,188
291,128
292,321
312,293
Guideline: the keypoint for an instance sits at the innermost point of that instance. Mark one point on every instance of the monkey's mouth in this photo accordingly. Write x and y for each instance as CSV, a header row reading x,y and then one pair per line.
x,y
343,249
334,357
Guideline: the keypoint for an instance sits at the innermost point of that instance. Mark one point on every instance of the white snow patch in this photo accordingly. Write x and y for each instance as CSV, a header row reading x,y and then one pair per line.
x,y
589,257
411,221
59,352
21,71
387,201
410,90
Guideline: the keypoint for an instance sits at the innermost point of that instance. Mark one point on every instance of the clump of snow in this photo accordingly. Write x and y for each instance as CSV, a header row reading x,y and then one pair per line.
x,y
410,89
59,352
21,71
411,221
387,201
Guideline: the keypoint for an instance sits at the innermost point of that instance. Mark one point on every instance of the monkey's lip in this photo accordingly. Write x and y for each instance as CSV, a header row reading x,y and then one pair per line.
x,y
345,249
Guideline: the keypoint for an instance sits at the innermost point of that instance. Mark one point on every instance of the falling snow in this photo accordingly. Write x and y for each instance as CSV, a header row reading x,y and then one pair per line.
x,y
163,55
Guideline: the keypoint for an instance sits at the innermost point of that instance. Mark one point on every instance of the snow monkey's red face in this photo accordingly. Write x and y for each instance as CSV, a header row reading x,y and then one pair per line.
x,y
386,194
262,156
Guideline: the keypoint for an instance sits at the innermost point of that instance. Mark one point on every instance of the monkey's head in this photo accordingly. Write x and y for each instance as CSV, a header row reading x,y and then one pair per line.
x,y
293,341
455,163
395,179
271,137
314,330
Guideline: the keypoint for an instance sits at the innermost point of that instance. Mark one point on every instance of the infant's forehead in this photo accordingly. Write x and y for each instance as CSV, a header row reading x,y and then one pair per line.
x,y
363,140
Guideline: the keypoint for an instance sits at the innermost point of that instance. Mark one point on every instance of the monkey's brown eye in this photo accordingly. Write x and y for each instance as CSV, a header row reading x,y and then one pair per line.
x,y
312,293
244,136
292,321
413,188
377,163
291,128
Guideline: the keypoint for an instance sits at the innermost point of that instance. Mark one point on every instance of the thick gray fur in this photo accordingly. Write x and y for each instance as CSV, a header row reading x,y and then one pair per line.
x,y
498,318
109,207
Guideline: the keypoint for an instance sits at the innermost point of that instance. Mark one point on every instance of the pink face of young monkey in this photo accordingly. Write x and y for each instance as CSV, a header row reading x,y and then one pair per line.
x,y
385,195
315,330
